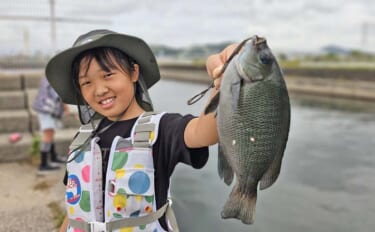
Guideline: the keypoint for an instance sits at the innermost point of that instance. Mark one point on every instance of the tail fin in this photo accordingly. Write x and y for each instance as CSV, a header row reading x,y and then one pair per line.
x,y
240,205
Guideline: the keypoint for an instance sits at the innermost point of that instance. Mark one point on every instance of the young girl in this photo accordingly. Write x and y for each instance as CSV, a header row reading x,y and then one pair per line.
x,y
122,158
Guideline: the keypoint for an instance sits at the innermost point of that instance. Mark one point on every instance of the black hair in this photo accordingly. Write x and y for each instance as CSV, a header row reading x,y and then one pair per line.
x,y
103,55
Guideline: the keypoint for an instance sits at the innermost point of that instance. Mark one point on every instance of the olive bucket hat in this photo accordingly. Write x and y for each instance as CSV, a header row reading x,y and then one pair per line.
x,y
59,67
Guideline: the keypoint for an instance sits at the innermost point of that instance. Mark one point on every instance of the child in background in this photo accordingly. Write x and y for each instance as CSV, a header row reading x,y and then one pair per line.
x,y
50,110
121,160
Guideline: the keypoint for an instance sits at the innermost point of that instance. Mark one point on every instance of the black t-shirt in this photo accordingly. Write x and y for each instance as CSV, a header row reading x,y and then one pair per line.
x,y
168,150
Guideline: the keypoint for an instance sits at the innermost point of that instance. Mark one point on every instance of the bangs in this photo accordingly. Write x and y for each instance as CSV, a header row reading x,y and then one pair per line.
x,y
108,59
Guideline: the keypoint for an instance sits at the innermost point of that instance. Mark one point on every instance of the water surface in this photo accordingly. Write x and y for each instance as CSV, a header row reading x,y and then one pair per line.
x,y
327,177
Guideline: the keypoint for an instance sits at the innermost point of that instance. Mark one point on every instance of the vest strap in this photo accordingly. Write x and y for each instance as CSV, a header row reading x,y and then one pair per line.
x,y
83,134
145,131
144,127
128,222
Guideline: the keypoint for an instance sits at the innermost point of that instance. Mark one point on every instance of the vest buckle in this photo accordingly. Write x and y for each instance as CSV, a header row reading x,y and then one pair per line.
x,y
98,227
170,202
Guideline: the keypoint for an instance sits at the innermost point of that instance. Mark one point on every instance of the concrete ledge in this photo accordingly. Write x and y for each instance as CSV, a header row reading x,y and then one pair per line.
x,y
14,151
32,80
343,88
20,150
352,88
12,100
14,121
20,121
10,82
196,75
20,81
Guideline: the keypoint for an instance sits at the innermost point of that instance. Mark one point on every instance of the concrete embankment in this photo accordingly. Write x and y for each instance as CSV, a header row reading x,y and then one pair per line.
x,y
17,92
351,83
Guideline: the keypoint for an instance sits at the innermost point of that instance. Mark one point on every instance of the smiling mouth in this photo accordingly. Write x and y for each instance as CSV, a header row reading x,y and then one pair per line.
x,y
107,101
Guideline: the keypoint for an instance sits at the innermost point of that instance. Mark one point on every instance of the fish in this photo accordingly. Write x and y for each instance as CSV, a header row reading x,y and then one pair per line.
x,y
253,120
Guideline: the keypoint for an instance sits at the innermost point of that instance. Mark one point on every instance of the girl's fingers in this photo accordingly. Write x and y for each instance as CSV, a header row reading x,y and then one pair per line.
x,y
216,73
217,82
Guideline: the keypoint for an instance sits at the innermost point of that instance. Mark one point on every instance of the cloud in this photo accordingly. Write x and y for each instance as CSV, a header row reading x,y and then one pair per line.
x,y
288,25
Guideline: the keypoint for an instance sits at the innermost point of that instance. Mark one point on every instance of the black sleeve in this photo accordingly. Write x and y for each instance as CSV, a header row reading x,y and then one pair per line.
x,y
169,150
171,144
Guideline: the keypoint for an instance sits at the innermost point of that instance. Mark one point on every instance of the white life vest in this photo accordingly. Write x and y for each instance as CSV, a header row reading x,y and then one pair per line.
x,y
129,193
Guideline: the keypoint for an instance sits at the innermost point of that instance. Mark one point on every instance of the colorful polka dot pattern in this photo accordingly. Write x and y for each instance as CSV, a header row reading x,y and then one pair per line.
x,y
133,195
79,191
139,182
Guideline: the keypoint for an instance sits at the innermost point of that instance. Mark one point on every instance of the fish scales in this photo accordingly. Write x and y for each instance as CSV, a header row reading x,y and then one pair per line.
x,y
253,118
260,122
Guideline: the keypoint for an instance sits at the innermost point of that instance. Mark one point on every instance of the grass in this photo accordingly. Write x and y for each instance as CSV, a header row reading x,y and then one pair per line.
x,y
34,150
290,63
58,214
43,185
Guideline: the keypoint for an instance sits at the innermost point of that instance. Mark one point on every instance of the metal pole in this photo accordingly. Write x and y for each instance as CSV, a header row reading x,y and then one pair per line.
x,y
53,25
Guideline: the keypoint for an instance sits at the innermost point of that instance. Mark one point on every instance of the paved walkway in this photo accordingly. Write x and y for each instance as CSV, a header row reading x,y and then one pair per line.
x,y
28,201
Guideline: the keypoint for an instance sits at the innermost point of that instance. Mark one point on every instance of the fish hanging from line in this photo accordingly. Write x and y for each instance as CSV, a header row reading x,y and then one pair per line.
x,y
253,119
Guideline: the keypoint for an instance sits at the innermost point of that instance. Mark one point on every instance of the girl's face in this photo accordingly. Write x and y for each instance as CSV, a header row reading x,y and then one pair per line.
x,y
111,92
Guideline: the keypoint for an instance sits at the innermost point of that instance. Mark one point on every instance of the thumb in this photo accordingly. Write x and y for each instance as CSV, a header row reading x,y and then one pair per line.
x,y
216,73
217,83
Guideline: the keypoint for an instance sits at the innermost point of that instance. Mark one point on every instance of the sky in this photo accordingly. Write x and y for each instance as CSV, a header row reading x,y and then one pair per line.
x,y
288,25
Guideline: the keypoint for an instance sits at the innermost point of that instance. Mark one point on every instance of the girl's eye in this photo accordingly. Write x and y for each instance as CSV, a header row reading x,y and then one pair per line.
x,y
108,74
85,83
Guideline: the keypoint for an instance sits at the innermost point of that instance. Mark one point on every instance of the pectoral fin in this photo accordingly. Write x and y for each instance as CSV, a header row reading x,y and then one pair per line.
x,y
212,106
224,169
236,88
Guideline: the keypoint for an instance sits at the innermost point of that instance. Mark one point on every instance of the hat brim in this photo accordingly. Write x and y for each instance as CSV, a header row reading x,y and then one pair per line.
x,y
59,68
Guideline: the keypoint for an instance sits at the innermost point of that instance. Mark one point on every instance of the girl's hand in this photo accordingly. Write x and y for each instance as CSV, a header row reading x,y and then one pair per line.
x,y
216,75
215,63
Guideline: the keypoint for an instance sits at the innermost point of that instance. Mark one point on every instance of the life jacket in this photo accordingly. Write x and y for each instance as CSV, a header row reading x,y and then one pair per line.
x,y
129,193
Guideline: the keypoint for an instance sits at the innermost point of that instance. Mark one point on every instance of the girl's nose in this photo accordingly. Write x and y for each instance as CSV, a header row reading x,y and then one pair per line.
x,y
101,90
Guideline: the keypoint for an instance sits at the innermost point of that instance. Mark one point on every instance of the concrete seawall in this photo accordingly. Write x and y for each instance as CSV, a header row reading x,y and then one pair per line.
x,y
350,83
353,84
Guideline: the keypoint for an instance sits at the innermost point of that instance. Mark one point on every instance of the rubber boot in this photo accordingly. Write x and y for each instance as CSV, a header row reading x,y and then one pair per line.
x,y
55,158
44,167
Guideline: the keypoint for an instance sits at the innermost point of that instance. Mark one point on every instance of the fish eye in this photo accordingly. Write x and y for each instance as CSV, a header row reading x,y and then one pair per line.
x,y
265,59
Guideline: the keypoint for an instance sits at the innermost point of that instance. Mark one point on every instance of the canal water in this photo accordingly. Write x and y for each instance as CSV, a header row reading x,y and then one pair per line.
x,y
326,182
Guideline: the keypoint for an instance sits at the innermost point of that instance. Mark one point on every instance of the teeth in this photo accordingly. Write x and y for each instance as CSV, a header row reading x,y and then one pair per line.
x,y
106,101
